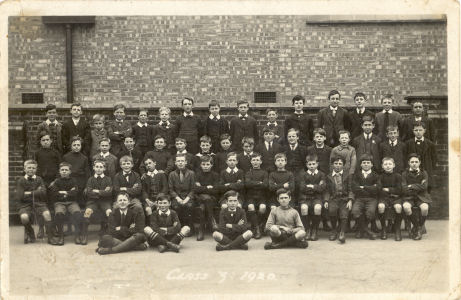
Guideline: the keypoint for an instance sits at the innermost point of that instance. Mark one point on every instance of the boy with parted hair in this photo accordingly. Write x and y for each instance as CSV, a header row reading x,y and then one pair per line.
x,y
232,178
221,156
31,195
284,225
166,128
53,127
244,158
143,133
417,116
233,232
189,126
268,149
280,178
356,115
118,129
321,150
215,125
205,149
387,117
368,143
299,121
160,155
333,119
191,159
346,151
110,160
277,129
129,149
394,148
76,126
243,125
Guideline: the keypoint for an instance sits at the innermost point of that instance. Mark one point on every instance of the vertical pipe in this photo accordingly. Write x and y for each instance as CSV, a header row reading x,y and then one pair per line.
x,y
70,92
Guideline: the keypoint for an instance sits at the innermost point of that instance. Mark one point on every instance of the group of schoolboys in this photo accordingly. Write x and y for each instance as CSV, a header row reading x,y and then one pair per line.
x,y
174,178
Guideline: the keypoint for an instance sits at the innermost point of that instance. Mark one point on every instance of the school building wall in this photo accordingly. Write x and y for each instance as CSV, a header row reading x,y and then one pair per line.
x,y
154,61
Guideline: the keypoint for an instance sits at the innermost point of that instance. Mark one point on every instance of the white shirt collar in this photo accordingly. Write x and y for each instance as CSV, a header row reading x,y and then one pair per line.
x,y
96,175
366,173
334,173
141,124
323,146
182,152
390,111
229,170
275,123
299,113
161,123
360,110
33,176
268,143
75,121
104,154
164,213
189,114
293,147
417,170
217,117
422,139
418,119
313,173
126,174
48,122
243,116
247,154
153,173
366,135
123,212
333,108
393,143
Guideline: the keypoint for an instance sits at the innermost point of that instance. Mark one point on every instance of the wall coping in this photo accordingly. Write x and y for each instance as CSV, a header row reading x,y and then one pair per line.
x,y
364,19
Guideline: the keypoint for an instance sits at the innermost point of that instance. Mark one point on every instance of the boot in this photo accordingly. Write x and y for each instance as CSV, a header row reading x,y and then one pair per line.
x,y
214,225
60,241
289,241
26,235
382,220
104,228
416,234
369,233
422,224
41,232
407,222
161,248
237,243
374,227
359,232
397,224
199,231
253,218
84,232
315,228
69,229
173,247
342,233
305,221
334,231
49,233
76,221
325,227
126,245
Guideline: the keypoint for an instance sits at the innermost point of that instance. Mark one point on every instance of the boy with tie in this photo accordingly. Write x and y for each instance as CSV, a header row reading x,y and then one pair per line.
x,y
356,115
394,148
118,129
272,116
76,126
130,182
387,117
417,116
268,149
215,125
52,127
333,118
166,129
368,143
243,125
143,133
299,121
189,126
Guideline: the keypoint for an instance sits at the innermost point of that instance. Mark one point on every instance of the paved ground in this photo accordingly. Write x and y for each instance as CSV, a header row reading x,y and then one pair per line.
x,y
359,266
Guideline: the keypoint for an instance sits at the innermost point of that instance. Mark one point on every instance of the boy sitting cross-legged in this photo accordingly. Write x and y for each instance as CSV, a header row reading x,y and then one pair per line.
x,y
125,229
284,225
153,183
165,229
233,232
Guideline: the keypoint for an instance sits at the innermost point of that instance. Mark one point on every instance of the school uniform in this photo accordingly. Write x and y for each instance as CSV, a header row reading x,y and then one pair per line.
x,y
191,160
323,156
198,161
311,195
204,195
80,171
240,127
227,216
214,128
111,163
64,203
143,136
268,152
296,158
47,164
131,181
54,129
190,128
135,154
96,137
384,119
244,161
256,186
236,179
426,150
348,154
338,192
332,120
168,131
278,131
414,187
220,160
153,184
102,200
396,150
409,122
71,128
303,123
366,198
116,140
181,184
392,181
356,118
368,144
36,202
163,161
168,220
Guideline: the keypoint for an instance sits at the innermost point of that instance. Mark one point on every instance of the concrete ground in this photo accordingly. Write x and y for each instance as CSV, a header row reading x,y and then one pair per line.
x,y
359,266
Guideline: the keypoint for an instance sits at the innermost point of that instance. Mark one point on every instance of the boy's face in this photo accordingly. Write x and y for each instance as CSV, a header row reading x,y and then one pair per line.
x,y
280,163
388,166
232,202
126,165
180,162
248,148
387,104
119,114
123,202
419,131
98,125
76,112
298,105
344,139
393,135
180,145
312,165
51,115
359,101
76,146
231,161
205,147
414,163
284,199
334,100
142,117
164,116
269,136
187,105
163,205
64,171
129,143
206,166
98,168
271,116
214,110
243,109
366,165
150,165
292,138
30,169
338,166
418,108
159,144
368,126
45,141
104,146
256,162
225,144
319,139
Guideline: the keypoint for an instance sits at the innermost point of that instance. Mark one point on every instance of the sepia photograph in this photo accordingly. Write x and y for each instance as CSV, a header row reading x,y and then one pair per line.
x,y
230,149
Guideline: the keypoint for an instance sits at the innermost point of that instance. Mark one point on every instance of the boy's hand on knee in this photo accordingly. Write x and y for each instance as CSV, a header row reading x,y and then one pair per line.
x,y
108,212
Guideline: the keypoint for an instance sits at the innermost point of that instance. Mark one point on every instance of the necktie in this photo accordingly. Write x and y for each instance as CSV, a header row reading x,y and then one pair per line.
x,y
127,176
122,219
386,120
164,125
29,178
418,142
181,176
338,182
334,112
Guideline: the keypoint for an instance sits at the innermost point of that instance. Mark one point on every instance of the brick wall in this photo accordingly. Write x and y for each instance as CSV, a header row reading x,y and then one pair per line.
x,y
156,59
